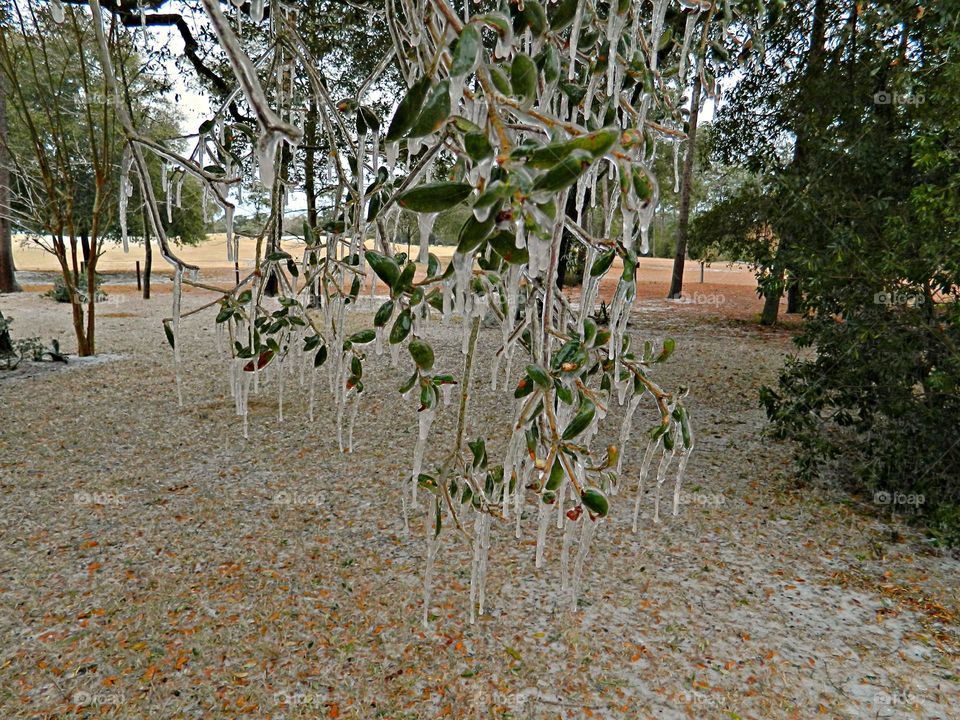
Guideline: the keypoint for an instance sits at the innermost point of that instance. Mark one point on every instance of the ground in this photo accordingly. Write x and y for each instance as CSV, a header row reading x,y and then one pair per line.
x,y
157,565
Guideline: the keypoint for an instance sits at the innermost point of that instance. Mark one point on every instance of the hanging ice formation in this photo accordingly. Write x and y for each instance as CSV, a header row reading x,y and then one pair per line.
x,y
540,166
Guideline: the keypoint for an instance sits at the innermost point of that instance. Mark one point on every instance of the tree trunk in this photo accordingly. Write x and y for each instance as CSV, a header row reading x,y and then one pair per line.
x,y
85,246
686,186
8,277
771,308
147,254
686,189
310,163
793,297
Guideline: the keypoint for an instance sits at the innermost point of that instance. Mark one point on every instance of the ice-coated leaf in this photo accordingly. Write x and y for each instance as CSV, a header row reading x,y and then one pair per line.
x,y
422,354
581,420
503,244
602,263
523,78
401,327
474,232
596,502
385,267
434,197
466,51
565,173
435,111
408,110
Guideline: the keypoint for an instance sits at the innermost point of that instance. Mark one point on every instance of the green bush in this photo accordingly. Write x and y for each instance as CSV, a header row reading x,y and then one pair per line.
x,y
61,294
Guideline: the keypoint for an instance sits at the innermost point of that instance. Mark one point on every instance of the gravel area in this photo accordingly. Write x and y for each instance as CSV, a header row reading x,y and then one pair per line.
x,y
154,564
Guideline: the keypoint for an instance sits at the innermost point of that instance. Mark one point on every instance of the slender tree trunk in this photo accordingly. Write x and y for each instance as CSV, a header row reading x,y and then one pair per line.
x,y
793,297
8,277
686,189
147,254
310,163
85,246
686,186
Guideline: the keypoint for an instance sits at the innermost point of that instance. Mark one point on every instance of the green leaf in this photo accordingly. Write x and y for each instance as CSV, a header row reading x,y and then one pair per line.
x,y
226,312
401,327
433,265
669,345
321,357
169,333
435,111
408,109
384,313
362,337
500,80
581,420
563,14
556,475
407,386
596,143
602,263
564,173
466,51
596,502
422,354
406,277
385,267
477,145
535,16
502,243
523,78
474,232
539,375
434,197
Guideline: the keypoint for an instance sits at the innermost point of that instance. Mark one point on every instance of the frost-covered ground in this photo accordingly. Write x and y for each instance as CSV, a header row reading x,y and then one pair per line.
x,y
153,564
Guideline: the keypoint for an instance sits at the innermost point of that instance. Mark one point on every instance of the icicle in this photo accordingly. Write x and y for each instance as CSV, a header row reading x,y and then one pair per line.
x,y
482,569
177,339
543,522
228,225
565,555
425,223
390,155
126,191
433,544
56,11
575,40
425,419
665,459
352,421
475,564
644,468
256,10
676,166
625,428
587,531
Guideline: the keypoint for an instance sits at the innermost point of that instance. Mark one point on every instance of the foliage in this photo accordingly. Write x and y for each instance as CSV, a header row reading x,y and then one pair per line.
x,y
856,202
61,292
